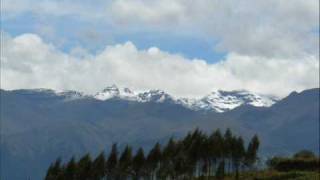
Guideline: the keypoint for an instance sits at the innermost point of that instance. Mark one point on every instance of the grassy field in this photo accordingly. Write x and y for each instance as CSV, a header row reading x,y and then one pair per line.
x,y
272,175
275,175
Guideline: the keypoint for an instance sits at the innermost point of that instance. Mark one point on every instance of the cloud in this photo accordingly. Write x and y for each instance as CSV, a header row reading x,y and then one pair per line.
x,y
84,9
271,29
260,28
29,62
153,12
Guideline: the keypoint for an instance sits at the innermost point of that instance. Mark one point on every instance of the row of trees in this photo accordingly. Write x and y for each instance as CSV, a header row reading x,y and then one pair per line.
x,y
197,154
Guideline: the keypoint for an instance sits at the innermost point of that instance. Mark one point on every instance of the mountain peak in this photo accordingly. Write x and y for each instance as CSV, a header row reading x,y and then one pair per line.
x,y
155,96
71,94
221,101
218,101
114,91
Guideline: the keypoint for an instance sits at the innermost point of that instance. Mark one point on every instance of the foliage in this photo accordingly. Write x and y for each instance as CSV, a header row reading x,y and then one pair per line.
x,y
301,161
304,154
292,164
276,175
196,155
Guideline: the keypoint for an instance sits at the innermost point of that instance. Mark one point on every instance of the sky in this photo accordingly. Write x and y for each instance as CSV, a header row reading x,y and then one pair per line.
x,y
186,48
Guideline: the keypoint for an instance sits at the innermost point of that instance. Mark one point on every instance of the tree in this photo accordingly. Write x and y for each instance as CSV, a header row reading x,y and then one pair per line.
x,y
167,159
220,171
205,154
125,162
112,162
71,170
138,164
227,148
252,151
196,151
154,160
99,167
181,165
215,150
188,149
84,168
195,156
54,171
238,154
50,175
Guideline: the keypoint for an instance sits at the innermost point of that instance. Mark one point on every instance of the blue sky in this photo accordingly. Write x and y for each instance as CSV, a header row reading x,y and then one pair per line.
x,y
70,32
187,48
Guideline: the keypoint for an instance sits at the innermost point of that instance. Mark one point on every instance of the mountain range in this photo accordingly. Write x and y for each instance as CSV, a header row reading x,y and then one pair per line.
x,y
39,125
218,101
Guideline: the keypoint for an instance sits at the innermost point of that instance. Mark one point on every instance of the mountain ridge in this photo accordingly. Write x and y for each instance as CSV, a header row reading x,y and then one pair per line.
x,y
218,101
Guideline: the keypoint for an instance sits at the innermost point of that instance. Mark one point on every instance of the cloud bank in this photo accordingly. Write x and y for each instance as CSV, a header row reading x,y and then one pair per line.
x,y
273,28
270,28
29,62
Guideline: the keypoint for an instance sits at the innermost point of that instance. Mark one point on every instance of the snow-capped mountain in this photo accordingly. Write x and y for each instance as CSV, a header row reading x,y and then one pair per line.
x,y
219,101
71,94
115,92
155,96
127,94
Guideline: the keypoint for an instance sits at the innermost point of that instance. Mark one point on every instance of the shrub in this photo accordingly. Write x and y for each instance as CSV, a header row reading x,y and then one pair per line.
x,y
294,164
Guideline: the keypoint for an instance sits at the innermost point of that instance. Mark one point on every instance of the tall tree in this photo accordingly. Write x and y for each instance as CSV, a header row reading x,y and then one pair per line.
x,y
125,162
215,150
84,168
99,167
168,156
197,155
55,170
138,164
238,155
252,151
154,160
112,162
227,148
71,170
220,171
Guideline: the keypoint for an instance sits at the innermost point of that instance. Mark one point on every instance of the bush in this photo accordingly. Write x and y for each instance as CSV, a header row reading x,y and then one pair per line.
x,y
304,154
293,164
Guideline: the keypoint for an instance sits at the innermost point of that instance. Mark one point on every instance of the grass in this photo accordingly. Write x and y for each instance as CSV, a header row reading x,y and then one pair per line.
x,y
275,175
272,175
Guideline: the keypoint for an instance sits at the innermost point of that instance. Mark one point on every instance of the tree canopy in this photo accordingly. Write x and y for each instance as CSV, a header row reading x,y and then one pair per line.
x,y
197,154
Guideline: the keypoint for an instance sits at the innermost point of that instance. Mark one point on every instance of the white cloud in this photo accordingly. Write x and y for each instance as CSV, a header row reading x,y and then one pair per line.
x,y
153,12
273,28
270,28
83,9
29,62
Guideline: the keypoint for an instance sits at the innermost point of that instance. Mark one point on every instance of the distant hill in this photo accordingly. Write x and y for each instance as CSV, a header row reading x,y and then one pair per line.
x,y
37,126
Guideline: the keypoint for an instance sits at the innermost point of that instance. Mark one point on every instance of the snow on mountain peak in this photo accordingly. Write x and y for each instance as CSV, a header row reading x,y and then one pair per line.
x,y
115,92
71,95
221,101
218,101
154,96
